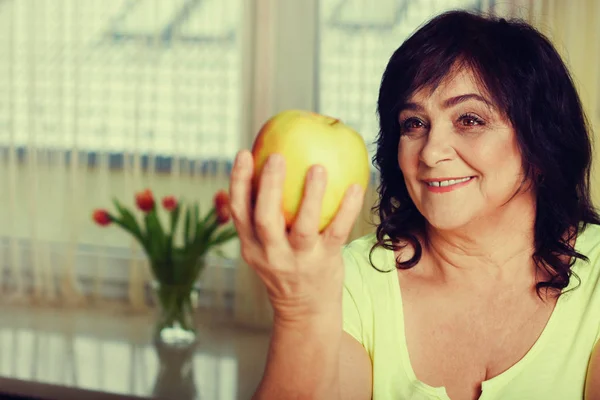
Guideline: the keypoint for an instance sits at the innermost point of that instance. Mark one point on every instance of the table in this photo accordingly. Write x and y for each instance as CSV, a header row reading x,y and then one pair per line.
x,y
107,353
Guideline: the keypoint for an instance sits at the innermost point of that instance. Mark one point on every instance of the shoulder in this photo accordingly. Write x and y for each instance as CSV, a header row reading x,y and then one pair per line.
x,y
362,252
588,241
365,264
586,273
588,245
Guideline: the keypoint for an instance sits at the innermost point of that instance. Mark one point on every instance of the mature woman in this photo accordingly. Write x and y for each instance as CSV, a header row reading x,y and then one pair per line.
x,y
482,278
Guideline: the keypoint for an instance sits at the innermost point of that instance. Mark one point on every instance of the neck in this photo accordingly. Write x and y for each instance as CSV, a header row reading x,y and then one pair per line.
x,y
496,247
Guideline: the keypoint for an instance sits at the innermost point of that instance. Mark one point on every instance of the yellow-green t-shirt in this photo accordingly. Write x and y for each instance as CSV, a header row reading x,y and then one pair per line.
x,y
553,369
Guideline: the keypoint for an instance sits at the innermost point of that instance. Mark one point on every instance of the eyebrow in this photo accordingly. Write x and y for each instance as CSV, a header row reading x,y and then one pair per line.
x,y
451,102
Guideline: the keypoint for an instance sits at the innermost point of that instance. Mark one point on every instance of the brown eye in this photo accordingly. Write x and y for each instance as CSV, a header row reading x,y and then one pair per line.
x,y
411,124
415,124
470,120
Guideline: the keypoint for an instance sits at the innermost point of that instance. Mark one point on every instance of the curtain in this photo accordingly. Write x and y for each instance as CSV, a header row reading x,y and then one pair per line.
x,y
356,41
573,28
281,67
101,99
327,56
104,98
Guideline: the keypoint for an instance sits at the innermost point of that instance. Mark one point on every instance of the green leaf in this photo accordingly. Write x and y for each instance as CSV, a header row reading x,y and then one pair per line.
x,y
187,227
175,219
199,227
128,222
140,241
197,209
202,241
210,214
156,237
183,268
224,236
204,228
219,252
197,269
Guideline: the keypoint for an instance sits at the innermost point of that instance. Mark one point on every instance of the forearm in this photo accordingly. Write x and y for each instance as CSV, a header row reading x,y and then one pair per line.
x,y
303,360
592,384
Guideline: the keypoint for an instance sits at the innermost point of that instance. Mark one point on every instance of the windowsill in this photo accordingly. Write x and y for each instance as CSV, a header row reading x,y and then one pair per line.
x,y
116,160
107,353
215,284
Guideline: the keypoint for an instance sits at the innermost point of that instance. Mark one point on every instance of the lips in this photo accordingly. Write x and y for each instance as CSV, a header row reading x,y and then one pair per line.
x,y
447,181
445,185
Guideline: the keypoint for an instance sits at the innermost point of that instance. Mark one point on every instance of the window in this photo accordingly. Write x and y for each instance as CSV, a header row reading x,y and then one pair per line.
x,y
159,77
356,40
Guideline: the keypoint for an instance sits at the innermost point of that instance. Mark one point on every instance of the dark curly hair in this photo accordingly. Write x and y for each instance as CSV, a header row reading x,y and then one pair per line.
x,y
528,81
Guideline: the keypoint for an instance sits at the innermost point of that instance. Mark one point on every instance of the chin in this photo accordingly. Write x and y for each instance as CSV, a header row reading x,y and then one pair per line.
x,y
449,221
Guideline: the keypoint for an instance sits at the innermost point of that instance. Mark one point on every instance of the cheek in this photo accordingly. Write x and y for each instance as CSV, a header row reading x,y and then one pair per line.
x,y
408,157
496,146
408,160
504,155
499,161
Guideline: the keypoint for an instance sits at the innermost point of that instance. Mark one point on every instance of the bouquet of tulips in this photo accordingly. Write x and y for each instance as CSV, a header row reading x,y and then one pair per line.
x,y
172,264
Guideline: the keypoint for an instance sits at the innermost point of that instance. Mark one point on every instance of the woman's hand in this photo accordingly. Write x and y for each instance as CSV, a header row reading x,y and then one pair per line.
x,y
302,269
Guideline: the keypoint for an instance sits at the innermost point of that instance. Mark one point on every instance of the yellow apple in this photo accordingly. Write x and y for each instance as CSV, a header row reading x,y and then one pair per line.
x,y
304,139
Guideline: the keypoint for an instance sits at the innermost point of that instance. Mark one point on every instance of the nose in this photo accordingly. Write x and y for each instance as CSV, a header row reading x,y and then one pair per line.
x,y
437,147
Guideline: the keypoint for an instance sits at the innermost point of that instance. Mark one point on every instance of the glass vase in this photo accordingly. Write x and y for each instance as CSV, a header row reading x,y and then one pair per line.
x,y
175,321
176,298
176,376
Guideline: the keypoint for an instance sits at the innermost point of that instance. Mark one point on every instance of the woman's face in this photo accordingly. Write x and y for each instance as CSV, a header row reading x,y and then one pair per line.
x,y
458,153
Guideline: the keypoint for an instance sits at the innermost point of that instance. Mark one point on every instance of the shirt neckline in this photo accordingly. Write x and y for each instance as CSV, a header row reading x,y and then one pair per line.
x,y
499,380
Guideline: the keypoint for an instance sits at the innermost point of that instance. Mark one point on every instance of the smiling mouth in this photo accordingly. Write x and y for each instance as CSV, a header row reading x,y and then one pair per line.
x,y
449,182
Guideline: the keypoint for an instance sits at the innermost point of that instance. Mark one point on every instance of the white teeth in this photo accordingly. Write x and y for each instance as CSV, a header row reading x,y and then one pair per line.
x,y
448,182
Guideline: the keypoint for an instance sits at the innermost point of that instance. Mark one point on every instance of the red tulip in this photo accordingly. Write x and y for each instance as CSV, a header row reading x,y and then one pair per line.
x,y
102,217
169,203
222,208
145,200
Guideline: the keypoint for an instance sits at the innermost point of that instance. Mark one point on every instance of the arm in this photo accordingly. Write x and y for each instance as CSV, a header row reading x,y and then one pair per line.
x,y
302,360
356,371
315,361
592,382
302,269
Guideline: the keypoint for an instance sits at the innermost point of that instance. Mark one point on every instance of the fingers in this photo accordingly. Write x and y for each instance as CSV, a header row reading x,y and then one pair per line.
x,y
268,216
240,190
305,230
338,230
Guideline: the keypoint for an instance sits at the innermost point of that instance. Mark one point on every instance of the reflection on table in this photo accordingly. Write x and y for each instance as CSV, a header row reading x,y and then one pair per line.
x,y
112,352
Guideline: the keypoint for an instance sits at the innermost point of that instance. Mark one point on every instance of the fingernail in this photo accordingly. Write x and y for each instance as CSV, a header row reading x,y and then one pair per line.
x,y
241,160
316,172
275,160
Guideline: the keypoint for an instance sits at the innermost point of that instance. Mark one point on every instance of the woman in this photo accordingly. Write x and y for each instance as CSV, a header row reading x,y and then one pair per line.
x,y
481,280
